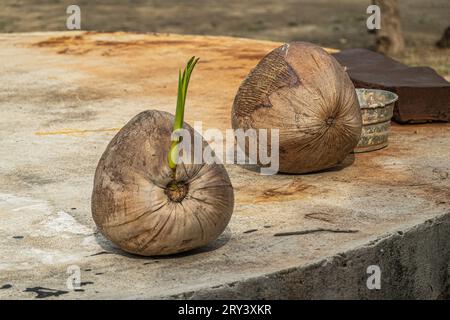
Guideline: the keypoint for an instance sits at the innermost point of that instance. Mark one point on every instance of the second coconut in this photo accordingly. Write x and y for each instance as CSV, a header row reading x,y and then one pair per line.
x,y
302,91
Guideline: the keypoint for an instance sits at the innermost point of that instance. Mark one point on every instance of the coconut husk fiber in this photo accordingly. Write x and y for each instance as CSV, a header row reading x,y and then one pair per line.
x,y
302,91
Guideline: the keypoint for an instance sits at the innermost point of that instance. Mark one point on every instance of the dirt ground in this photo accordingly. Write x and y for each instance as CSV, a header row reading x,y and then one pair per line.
x,y
339,24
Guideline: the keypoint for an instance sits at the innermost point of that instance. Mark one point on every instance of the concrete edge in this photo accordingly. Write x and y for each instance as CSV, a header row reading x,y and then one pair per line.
x,y
414,264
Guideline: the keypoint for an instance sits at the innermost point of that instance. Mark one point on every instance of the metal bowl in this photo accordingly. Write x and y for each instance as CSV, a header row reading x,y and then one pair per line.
x,y
377,107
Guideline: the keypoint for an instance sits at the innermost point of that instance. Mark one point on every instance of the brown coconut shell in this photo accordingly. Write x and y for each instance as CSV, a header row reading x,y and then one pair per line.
x,y
135,203
304,92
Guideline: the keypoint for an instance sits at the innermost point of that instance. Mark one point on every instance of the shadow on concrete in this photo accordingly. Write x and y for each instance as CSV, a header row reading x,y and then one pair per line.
x,y
110,248
348,161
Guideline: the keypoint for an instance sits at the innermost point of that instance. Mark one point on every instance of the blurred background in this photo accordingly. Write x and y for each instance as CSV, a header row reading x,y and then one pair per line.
x,y
339,24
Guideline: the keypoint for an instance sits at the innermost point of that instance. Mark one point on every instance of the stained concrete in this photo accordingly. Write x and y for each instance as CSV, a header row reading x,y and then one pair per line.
x,y
64,95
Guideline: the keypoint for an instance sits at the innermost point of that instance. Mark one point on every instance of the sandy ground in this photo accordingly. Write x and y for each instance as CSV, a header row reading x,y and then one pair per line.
x,y
339,24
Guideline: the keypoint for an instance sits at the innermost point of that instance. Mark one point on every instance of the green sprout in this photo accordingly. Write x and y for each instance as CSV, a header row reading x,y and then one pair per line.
x,y
183,82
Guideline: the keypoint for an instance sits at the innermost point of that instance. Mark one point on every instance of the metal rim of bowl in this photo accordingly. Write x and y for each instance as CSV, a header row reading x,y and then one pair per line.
x,y
379,104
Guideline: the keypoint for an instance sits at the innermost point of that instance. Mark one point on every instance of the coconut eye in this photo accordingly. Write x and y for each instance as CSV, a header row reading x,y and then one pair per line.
x,y
177,191
303,91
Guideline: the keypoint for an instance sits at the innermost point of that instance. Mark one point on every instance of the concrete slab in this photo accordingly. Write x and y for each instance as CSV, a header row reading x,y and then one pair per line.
x,y
64,95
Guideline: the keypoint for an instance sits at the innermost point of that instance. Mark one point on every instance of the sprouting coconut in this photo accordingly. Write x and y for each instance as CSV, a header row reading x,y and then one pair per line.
x,y
304,92
147,198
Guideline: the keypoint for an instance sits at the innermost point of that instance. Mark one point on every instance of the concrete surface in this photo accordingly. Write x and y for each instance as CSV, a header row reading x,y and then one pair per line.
x,y
64,95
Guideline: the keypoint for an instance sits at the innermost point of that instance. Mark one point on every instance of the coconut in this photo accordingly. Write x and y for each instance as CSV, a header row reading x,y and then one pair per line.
x,y
302,91
142,206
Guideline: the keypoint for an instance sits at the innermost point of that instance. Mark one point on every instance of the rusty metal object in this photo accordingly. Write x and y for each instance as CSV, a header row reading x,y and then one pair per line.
x,y
377,108
424,95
